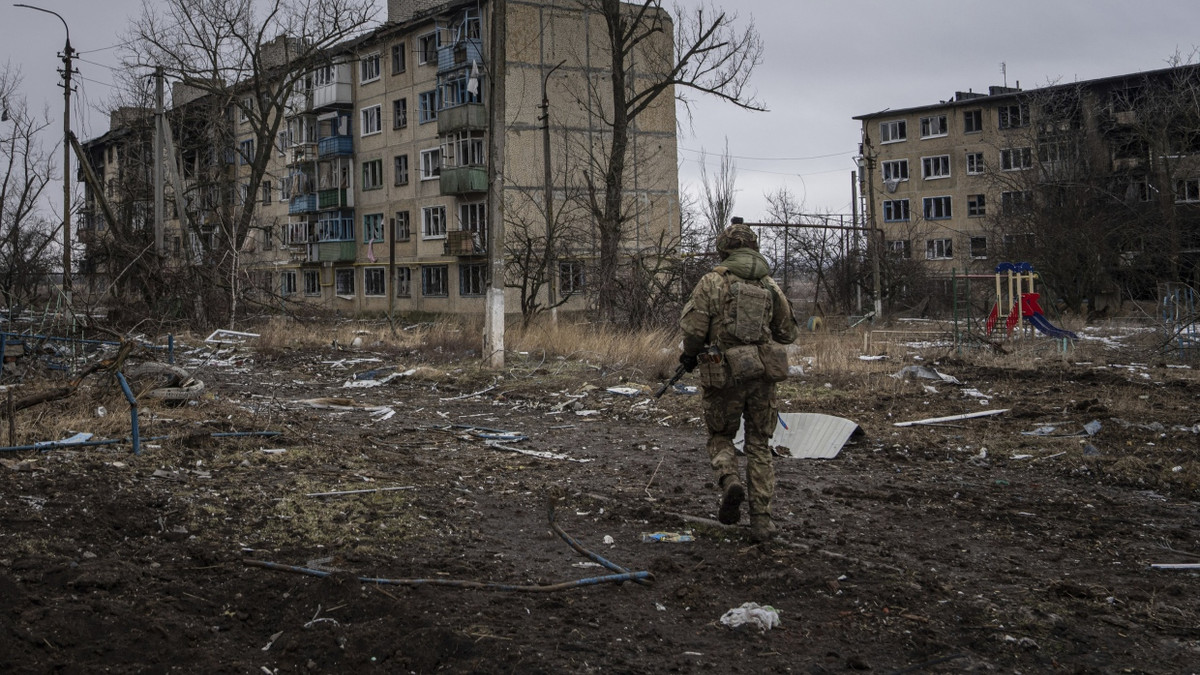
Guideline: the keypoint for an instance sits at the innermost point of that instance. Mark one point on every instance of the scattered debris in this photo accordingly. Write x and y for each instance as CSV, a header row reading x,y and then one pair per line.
x,y
225,337
624,391
954,418
924,373
807,435
668,537
764,617
359,492
78,438
1175,566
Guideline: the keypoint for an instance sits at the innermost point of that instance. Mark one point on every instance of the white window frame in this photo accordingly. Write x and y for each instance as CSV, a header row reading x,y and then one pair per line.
x,y
402,226
903,247
1004,116
976,205
934,126
372,174
427,276
896,169
1016,159
431,164
371,119
893,131
975,164
400,170
433,222
403,282
374,281
369,68
977,114
939,249
935,167
572,277
940,207
1187,191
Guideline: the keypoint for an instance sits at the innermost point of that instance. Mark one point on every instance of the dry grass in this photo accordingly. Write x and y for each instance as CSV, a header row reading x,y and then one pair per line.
x,y
652,353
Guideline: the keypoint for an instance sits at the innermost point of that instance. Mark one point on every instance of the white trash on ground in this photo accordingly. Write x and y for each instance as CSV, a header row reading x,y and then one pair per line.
x,y
765,617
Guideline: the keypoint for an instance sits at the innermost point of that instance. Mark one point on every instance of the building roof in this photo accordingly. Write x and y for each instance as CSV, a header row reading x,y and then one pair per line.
x,y
999,94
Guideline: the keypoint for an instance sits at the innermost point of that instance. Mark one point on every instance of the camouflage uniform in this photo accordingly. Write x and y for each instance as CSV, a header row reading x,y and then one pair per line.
x,y
703,325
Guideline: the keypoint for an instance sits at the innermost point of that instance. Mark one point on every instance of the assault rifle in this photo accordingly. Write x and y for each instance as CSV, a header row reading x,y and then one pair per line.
x,y
674,378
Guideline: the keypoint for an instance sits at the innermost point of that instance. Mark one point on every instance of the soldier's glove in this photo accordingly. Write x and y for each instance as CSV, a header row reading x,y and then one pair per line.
x,y
688,361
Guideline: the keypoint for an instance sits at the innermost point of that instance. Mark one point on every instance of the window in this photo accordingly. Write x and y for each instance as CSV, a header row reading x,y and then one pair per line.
x,y
285,188
435,280
287,283
400,170
312,282
372,174
972,121
895,170
571,277
464,148
399,59
936,208
895,211
372,120
403,282
401,230
1013,116
368,68
343,281
1015,159
427,107
900,248
431,164
976,206
373,281
266,192
1054,152
935,167
427,46
1187,190
245,108
939,249
933,126
472,279
473,218
400,113
975,163
979,248
1015,202
891,132
433,222
246,151
372,227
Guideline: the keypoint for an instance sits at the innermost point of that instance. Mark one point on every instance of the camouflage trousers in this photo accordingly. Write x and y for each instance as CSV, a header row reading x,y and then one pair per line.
x,y
724,409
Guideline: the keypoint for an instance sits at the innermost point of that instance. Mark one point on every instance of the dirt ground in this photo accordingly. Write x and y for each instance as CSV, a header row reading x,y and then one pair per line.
x,y
966,546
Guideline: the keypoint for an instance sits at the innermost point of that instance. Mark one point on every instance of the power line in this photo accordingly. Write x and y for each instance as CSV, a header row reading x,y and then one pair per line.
x,y
770,159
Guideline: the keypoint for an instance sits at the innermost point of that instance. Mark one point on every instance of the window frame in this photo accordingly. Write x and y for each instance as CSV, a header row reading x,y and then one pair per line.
x,y
976,205
372,228
1008,155
287,283
572,277
932,162
431,164
399,58
403,281
890,168
889,211
938,207
312,283
1187,190
427,53
428,103
343,282
400,113
976,165
428,285
928,123
941,248
374,282
433,222
371,120
978,252
893,131
367,64
1004,116
402,226
472,279
400,169
973,121
372,175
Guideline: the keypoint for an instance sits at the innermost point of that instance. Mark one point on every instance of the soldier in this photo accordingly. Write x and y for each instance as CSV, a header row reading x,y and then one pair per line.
x,y
735,326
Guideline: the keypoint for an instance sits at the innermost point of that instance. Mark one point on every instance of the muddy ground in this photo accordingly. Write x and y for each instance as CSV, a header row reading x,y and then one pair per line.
x,y
960,547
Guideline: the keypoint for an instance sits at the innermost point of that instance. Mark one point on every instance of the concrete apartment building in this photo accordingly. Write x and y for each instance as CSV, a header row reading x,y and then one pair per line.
x,y
376,195
980,179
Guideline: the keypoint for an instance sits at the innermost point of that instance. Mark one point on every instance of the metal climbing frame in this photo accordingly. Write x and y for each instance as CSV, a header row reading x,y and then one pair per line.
x,y
1177,309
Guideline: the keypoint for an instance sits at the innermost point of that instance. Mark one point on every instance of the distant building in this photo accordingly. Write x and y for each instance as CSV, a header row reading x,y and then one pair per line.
x,y
376,195
1015,174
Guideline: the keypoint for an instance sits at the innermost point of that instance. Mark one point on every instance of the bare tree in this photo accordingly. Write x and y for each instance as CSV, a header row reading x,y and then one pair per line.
x,y
711,56
718,192
533,249
246,59
25,170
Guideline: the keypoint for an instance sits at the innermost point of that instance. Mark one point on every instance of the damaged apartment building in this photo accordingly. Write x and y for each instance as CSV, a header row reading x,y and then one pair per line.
x,y
376,194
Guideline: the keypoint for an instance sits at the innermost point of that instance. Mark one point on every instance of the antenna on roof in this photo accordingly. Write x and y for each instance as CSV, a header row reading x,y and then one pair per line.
x,y
1004,72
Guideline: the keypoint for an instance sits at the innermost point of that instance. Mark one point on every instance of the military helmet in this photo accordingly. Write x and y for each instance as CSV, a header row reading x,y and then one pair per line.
x,y
737,235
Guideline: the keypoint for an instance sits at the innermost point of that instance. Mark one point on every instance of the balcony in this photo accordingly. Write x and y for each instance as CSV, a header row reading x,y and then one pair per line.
x,y
335,198
333,87
465,117
302,153
332,251
302,204
461,180
334,146
460,55
463,243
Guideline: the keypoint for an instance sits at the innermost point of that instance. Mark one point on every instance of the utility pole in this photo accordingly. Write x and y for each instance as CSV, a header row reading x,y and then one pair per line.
x,y
493,331
854,222
159,199
67,56
551,272
872,244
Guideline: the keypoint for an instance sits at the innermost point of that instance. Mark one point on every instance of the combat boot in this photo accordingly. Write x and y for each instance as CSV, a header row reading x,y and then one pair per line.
x,y
731,501
762,528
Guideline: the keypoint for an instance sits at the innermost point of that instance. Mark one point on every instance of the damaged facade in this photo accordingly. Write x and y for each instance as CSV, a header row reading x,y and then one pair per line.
x,y
375,197
1105,170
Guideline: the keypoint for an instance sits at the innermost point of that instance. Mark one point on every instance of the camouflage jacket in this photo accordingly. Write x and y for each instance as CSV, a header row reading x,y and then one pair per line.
x,y
703,319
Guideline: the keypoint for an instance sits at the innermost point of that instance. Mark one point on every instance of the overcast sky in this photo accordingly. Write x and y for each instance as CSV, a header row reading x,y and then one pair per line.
x,y
825,62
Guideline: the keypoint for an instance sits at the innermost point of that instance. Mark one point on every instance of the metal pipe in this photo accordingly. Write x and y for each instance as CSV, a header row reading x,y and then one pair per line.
x,y
133,414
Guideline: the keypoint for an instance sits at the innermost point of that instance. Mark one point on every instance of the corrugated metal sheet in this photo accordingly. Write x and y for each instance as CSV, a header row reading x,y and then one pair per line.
x,y
808,435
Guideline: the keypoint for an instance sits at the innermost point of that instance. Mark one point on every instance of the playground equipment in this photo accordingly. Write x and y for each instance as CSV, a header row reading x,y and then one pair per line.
x,y
1021,301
